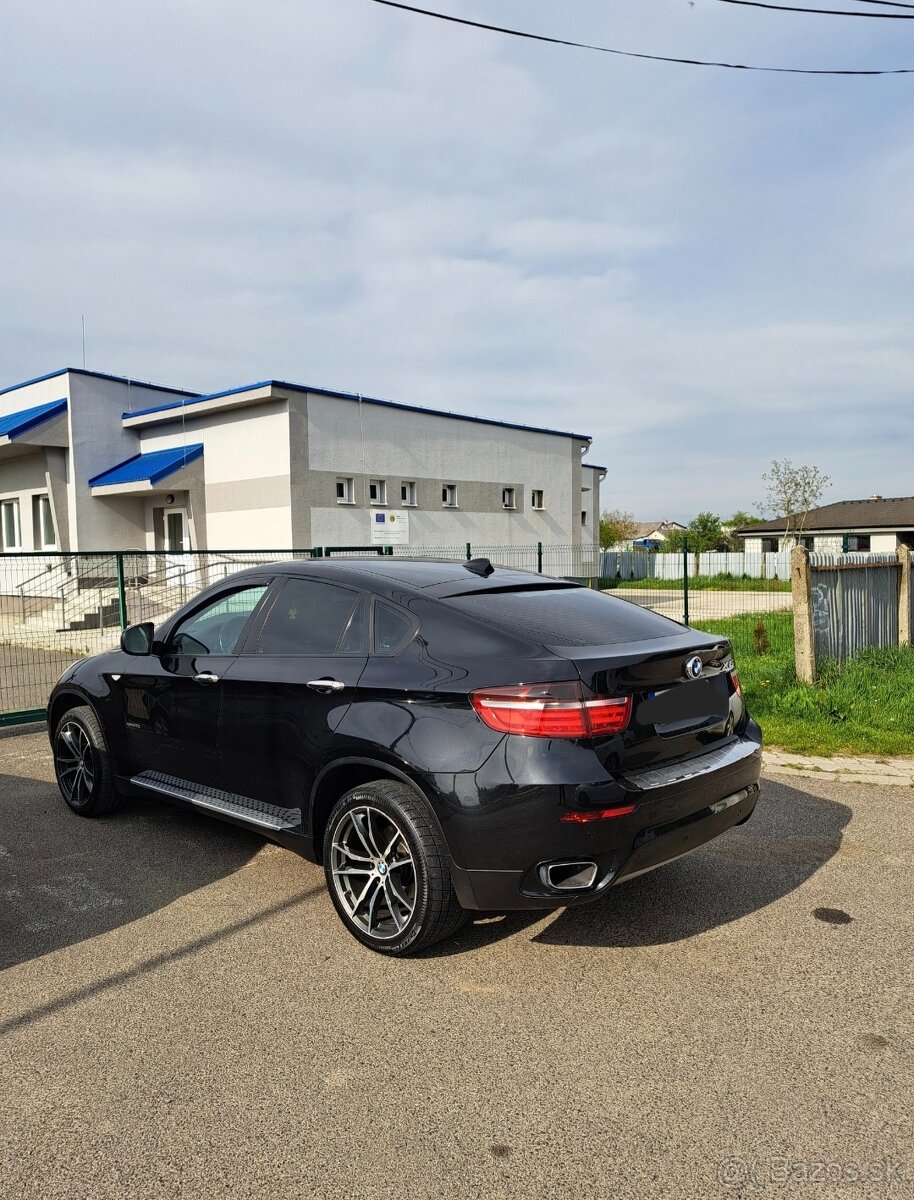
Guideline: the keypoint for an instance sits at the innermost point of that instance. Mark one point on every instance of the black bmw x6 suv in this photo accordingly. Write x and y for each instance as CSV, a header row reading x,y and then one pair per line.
x,y
441,736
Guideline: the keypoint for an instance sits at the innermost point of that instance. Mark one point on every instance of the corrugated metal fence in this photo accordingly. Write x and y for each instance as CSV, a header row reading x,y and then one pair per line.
x,y
635,564
854,602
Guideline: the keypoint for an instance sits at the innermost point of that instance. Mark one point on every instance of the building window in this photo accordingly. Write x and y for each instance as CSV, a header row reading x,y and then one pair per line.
x,y
583,516
857,543
377,491
770,545
449,495
507,497
536,499
809,543
408,493
345,491
9,525
43,523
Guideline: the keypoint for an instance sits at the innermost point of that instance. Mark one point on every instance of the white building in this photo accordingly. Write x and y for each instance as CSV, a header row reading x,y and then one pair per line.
x,y
95,462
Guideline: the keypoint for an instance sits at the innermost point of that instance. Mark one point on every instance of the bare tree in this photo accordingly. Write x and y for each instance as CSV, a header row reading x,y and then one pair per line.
x,y
792,492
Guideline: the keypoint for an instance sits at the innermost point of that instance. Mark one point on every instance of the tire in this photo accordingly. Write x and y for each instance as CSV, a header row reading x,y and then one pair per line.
x,y
386,865
82,764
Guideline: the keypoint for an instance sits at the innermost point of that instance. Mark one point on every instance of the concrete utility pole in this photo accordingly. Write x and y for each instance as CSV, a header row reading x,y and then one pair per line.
x,y
804,642
904,596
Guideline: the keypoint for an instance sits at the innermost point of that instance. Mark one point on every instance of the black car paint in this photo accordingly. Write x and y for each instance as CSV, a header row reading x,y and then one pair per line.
x,y
261,732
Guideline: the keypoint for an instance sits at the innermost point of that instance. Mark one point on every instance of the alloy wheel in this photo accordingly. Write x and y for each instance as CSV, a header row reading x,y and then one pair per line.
x,y
373,872
74,764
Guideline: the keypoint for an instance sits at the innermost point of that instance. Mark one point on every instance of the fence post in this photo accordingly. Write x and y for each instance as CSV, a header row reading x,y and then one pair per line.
x,y
121,591
539,557
804,641
904,596
685,580
469,551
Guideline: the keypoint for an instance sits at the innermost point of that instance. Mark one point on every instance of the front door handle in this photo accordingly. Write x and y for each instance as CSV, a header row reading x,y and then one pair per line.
x,y
206,677
325,685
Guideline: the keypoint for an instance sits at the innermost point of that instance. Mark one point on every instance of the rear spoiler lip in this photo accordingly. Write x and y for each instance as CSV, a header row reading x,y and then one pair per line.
x,y
553,585
631,653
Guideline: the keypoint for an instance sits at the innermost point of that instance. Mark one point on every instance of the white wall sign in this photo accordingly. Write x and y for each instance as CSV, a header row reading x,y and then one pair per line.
x,y
389,527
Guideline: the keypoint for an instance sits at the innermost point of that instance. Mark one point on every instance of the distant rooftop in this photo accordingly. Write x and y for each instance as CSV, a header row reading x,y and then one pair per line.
x,y
644,529
878,512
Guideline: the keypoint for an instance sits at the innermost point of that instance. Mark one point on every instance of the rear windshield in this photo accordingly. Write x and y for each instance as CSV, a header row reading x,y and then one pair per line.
x,y
568,617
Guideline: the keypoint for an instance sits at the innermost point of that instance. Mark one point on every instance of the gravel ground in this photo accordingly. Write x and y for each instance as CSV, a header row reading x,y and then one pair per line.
x,y
706,605
185,1017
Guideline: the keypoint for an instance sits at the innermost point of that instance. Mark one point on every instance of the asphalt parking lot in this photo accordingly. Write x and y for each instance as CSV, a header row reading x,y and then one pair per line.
x,y
184,1016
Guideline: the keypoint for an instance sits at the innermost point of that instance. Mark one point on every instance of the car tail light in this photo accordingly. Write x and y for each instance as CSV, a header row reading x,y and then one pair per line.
x,y
584,816
554,710
735,686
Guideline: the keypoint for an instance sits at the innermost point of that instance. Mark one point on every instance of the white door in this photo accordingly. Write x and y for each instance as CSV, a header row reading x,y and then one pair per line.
x,y
179,567
175,529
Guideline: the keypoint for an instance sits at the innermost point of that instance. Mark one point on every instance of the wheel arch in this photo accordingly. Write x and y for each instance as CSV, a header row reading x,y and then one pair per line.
x,y
61,702
341,776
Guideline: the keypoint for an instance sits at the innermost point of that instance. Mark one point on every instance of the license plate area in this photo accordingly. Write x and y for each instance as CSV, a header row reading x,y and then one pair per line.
x,y
684,705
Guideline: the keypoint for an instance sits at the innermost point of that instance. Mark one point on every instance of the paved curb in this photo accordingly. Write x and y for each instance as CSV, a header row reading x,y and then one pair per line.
x,y
887,772
7,731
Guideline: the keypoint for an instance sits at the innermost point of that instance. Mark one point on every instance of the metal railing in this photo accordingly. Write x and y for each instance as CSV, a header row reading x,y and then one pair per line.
x,y
77,603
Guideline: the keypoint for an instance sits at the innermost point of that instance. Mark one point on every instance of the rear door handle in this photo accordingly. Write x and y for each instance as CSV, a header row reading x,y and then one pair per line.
x,y
325,685
206,677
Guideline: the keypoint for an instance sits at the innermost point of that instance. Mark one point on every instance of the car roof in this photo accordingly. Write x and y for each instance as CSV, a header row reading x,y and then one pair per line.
x,y
386,574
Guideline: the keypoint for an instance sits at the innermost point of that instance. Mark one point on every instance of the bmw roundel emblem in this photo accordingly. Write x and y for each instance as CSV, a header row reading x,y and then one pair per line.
x,y
693,668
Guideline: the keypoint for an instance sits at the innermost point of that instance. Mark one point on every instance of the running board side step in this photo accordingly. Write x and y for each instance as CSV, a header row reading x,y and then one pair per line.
x,y
226,804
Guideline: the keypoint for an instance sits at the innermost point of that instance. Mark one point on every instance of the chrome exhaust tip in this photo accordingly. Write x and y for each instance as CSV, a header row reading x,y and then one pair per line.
x,y
569,876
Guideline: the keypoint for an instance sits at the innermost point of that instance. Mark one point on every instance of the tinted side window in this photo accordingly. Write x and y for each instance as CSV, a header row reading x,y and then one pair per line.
x,y
310,617
392,628
355,635
217,627
567,617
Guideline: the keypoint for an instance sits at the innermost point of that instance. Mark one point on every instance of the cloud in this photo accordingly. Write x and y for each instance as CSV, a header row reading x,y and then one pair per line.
x,y
704,271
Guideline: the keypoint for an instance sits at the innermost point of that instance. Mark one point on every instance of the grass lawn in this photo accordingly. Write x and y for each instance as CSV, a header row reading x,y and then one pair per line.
x,y
702,583
865,706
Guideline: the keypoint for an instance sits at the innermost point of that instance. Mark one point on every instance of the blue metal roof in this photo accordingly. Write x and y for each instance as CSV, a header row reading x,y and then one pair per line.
x,y
319,391
151,467
17,423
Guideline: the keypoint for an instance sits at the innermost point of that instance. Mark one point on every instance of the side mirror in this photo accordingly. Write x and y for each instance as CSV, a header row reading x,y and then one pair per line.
x,y
137,639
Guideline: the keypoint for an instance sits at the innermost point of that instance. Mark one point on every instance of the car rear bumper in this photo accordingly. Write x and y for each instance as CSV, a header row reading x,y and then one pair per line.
x,y
677,810
511,890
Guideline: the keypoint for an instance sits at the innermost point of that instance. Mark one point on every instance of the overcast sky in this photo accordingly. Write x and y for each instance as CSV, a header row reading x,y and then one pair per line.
x,y
702,269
